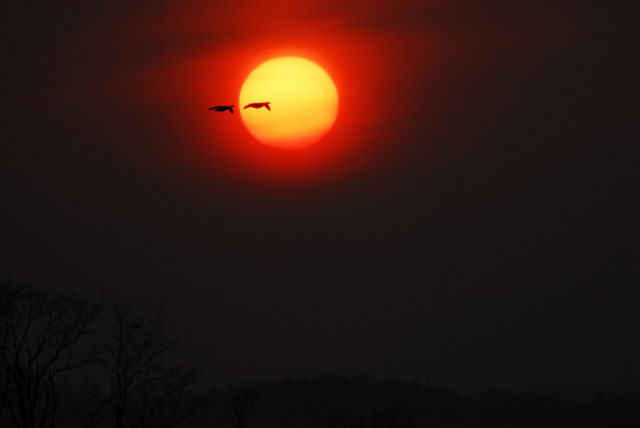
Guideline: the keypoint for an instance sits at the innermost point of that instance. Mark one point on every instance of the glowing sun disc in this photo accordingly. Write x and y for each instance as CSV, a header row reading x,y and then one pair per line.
x,y
304,102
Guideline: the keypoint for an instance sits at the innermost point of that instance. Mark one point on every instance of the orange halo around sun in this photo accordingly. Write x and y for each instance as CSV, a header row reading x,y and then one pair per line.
x,y
304,102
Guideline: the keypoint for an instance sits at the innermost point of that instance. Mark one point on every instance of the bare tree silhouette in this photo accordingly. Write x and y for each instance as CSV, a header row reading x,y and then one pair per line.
x,y
142,389
4,374
4,392
41,335
241,404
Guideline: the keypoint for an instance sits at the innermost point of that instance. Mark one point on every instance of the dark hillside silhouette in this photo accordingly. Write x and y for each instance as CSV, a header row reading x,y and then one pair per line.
x,y
331,401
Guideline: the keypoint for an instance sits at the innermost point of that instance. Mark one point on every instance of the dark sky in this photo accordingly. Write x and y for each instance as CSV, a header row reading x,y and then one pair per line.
x,y
472,218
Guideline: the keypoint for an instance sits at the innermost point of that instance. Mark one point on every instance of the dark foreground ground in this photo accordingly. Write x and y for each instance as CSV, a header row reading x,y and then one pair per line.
x,y
68,361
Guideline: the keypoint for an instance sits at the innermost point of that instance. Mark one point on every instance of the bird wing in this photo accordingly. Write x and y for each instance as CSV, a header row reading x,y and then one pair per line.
x,y
267,106
231,110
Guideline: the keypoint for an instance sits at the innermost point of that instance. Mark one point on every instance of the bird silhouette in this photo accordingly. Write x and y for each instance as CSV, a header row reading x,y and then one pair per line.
x,y
222,108
258,105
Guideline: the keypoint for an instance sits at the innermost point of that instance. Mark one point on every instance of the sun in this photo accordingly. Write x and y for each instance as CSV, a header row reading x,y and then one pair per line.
x,y
303,101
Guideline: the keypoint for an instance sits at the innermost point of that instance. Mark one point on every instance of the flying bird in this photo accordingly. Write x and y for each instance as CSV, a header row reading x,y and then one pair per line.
x,y
258,105
222,108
